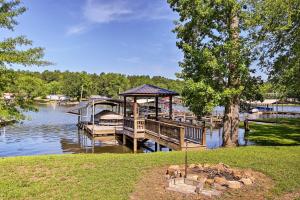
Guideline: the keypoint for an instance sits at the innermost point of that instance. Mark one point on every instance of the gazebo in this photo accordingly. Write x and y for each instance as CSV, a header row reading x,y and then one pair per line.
x,y
148,91
135,128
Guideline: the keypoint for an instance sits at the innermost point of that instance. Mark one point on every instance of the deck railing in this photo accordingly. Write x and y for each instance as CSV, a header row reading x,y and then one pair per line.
x,y
196,134
172,132
129,124
192,132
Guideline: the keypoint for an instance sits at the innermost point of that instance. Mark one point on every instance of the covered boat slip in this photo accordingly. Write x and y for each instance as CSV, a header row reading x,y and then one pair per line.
x,y
129,119
99,117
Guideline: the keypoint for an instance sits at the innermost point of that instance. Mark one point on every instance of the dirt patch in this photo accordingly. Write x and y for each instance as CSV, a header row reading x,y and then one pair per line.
x,y
290,196
152,186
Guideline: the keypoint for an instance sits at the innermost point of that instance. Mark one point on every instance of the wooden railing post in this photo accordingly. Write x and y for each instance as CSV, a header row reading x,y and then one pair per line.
x,y
204,135
181,137
246,125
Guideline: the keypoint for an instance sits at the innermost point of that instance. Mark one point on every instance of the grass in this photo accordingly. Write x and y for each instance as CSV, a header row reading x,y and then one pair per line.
x,y
285,132
112,176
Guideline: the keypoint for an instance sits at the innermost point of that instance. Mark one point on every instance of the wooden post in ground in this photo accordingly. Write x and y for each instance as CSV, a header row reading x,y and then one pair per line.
x,y
204,135
170,107
157,146
124,139
93,111
246,125
135,119
79,118
134,145
156,108
181,138
124,110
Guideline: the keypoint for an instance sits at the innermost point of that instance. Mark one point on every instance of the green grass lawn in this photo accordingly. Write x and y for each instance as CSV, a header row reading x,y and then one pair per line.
x,y
285,132
112,176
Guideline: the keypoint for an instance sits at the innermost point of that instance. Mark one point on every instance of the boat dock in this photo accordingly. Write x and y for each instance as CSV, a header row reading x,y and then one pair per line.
x,y
139,126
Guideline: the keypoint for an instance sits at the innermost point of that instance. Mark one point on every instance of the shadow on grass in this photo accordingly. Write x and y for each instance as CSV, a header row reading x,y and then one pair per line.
x,y
284,134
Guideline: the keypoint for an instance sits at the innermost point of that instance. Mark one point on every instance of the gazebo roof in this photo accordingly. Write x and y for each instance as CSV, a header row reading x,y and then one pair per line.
x,y
149,90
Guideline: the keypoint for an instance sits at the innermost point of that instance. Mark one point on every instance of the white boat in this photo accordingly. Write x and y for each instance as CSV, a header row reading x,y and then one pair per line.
x,y
254,110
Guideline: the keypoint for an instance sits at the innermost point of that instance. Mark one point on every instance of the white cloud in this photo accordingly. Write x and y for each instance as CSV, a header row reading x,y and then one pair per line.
x,y
77,29
106,11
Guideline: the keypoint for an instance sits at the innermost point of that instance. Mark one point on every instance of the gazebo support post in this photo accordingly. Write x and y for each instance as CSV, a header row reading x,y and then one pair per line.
x,y
135,123
93,113
79,117
124,110
170,108
124,139
156,108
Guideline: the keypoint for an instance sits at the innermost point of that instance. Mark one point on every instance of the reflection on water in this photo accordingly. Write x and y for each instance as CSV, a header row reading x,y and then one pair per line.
x,y
214,138
53,131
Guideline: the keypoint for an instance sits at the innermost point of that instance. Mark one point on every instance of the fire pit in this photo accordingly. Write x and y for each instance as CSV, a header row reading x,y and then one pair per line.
x,y
206,179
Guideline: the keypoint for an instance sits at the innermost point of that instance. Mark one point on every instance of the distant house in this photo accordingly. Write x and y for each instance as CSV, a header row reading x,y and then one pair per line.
x,y
57,97
8,96
266,101
176,100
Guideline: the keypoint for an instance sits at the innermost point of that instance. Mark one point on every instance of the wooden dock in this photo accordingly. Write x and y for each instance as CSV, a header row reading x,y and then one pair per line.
x,y
280,113
171,134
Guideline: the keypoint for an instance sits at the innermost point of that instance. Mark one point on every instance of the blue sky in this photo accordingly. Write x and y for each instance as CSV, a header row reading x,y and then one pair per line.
x,y
124,36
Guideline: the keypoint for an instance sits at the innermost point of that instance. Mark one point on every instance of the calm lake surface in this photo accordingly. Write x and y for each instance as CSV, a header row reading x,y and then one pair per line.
x,y
53,131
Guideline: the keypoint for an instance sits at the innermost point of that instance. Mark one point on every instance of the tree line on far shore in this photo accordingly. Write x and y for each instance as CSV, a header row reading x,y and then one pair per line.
x,y
71,83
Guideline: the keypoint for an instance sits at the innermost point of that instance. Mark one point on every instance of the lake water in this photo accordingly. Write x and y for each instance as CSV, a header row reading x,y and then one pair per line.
x,y
53,131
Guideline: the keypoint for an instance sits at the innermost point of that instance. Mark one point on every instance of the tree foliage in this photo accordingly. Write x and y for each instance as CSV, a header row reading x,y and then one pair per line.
x,y
105,84
16,50
215,65
279,44
222,39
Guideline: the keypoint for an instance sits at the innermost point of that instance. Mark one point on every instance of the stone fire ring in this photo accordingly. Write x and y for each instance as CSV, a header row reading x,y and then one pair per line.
x,y
206,179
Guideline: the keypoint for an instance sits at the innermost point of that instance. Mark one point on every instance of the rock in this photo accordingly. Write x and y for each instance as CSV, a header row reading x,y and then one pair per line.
x,y
234,184
174,170
220,180
206,165
211,193
199,166
192,176
220,167
199,188
192,166
238,174
173,167
249,174
209,181
246,181
202,179
219,187
167,176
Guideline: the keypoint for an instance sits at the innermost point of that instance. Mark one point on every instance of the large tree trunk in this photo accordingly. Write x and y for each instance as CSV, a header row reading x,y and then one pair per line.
x,y
231,123
232,107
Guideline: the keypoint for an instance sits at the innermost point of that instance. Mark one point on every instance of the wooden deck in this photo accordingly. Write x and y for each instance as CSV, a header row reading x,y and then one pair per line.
x,y
98,131
172,134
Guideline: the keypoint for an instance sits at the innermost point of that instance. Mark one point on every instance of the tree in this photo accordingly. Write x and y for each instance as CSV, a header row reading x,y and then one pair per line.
x,y
13,51
74,81
111,84
216,41
54,87
279,49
